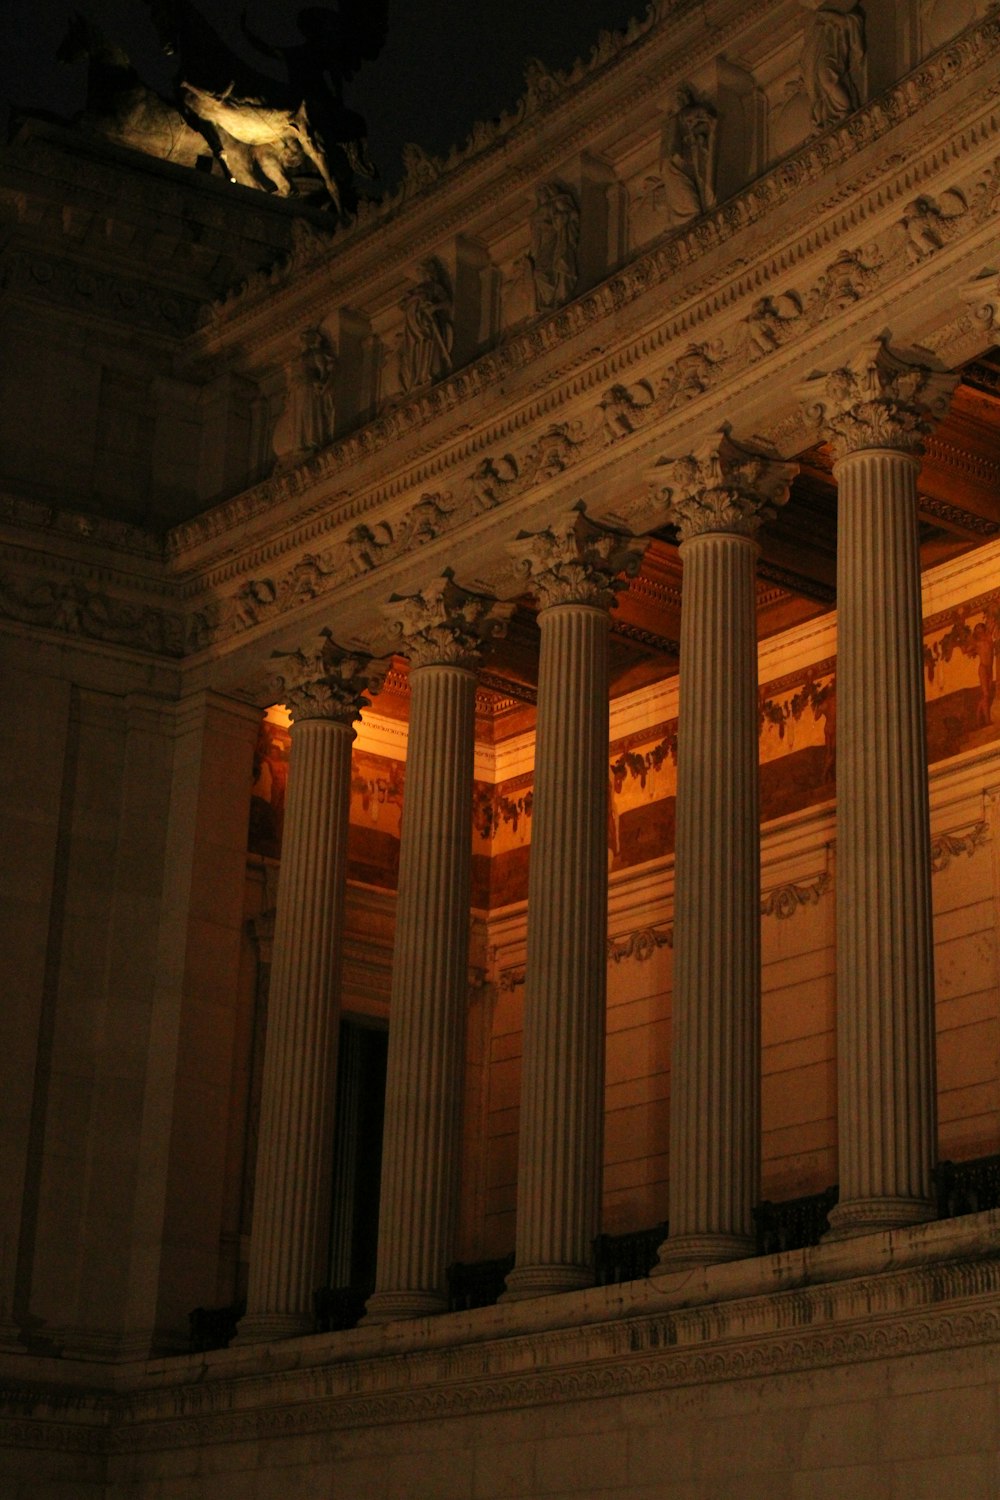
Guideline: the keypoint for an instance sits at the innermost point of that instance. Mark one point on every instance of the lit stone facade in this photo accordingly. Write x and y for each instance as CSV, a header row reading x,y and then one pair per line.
x,y
680,534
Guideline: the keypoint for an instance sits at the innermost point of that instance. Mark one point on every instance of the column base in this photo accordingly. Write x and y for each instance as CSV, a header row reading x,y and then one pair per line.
x,y
266,1328
872,1215
389,1307
545,1281
686,1252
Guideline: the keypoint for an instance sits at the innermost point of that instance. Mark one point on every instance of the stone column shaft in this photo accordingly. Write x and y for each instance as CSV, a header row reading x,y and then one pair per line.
x,y
292,1191
875,411
427,1009
718,498
885,955
442,631
562,1090
291,1219
561,1146
715,1075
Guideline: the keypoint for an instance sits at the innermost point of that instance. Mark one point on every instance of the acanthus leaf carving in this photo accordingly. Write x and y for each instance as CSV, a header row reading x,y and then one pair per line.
x,y
881,399
576,561
327,681
723,487
445,624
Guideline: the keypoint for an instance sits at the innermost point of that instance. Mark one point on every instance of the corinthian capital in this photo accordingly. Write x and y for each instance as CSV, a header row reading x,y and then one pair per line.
x,y
446,625
882,398
723,487
576,561
326,682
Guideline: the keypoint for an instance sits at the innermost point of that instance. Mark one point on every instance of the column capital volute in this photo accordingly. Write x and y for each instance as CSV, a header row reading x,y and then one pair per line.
x,y
445,624
575,560
982,294
326,681
723,487
881,398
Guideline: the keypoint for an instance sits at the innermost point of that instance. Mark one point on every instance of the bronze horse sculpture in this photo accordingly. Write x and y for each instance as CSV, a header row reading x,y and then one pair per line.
x,y
266,129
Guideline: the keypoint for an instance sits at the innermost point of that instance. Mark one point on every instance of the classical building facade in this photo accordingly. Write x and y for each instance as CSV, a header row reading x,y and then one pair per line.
x,y
526,657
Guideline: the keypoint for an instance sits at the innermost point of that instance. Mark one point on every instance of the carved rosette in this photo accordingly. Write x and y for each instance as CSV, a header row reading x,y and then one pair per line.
x,y
326,682
723,488
881,399
446,625
576,561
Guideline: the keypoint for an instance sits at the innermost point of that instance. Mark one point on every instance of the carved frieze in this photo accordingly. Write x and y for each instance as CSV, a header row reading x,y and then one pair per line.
x,y
76,608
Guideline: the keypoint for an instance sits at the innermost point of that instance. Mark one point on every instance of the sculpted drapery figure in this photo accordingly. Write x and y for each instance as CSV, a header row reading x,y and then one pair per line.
x,y
555,237
428,333
312,393
688,168
833,64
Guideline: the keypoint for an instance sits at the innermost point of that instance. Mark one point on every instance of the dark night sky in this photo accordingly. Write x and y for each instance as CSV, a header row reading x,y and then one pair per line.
x,y
446,62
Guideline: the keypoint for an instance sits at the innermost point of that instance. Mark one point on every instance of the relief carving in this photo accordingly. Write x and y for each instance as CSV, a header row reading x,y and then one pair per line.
x,y
928,223
428,331
623,408
306,424
555,239
834,65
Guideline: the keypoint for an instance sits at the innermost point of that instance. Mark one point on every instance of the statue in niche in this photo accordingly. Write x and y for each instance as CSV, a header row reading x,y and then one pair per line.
x,y
688,166
306,424
833,65
428,330
555,238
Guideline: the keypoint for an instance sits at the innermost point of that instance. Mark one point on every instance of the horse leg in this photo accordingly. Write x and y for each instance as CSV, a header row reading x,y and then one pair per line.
x,y
313,147
269,164
238,159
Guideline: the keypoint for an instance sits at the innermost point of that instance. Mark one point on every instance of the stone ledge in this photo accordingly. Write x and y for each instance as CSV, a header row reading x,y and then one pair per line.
x,y
931,1287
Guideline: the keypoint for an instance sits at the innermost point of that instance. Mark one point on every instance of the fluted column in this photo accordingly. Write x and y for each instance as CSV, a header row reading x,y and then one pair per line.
x,y
324,693
571,570
441,630
717,498
874,413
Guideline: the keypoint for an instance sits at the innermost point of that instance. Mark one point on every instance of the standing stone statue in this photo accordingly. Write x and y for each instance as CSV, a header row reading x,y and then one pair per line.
x,y
428,331
306,424
833,65
689,162
555,237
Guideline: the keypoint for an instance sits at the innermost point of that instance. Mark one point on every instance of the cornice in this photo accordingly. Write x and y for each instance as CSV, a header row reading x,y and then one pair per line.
x,y
879,1298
